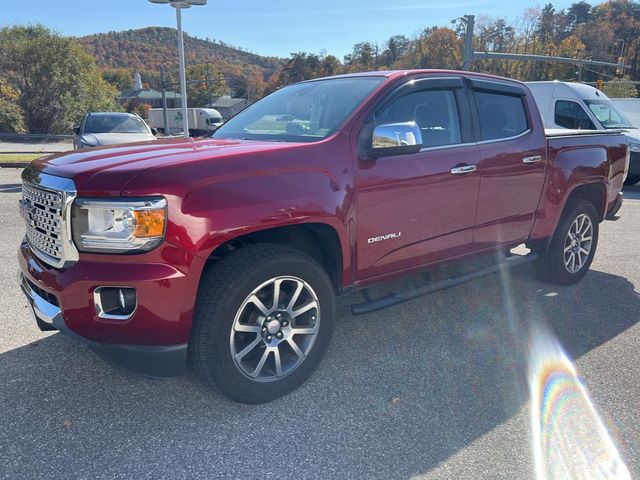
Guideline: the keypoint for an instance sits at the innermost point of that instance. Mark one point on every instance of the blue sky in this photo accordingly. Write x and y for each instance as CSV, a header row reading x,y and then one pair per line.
x,y
274,27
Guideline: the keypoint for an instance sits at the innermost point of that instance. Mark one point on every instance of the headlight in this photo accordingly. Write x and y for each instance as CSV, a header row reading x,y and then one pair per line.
x,y
86,143
130,225
634,147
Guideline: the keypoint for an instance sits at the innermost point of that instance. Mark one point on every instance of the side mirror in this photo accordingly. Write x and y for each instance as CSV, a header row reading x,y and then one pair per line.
x,y
396,139
76,130
154,131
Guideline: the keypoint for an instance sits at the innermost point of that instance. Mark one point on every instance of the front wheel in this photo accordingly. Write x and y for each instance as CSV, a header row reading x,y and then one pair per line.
x,y
263,322
568,256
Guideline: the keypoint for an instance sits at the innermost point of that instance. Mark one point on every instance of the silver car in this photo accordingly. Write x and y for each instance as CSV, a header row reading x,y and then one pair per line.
x,y
111,128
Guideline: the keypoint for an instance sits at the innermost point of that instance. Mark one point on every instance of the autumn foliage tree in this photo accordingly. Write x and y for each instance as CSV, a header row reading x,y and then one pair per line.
x,y
56,80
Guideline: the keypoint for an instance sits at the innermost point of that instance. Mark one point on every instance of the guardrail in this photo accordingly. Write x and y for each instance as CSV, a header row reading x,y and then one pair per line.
x,y
22,152
33,136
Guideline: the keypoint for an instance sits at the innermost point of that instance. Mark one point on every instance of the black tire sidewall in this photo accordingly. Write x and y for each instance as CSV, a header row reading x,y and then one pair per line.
x,y
632,179
219,313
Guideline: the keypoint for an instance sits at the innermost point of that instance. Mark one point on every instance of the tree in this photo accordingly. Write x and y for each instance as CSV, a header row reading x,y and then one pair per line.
x,y
201,94
620,89
58,82
547,23
579,13
121,78
362,58
397,46
11,118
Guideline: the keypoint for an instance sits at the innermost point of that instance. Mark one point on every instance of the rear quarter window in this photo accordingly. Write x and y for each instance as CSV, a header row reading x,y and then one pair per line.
x,y
501,115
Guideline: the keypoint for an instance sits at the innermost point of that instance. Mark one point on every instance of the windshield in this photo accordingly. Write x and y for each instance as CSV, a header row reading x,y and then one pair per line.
x,y
114,124
607,114
305,112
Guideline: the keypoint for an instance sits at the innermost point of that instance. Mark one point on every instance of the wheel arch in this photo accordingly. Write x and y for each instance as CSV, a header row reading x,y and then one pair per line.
x,y
595,192
319,240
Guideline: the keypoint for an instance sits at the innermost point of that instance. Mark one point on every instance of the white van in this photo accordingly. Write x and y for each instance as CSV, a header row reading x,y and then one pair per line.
x,y
201,120
583,107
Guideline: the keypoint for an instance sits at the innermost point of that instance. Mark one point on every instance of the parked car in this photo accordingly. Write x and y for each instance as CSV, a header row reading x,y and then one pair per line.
x,y
579,106
111,128
202,121
231,250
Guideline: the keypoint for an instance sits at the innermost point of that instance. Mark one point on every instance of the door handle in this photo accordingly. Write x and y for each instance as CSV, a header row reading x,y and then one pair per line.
x,y
534,159
463,169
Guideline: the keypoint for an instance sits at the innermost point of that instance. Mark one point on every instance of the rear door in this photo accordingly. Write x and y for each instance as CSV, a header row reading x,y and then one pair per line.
x,y
512,165
418,208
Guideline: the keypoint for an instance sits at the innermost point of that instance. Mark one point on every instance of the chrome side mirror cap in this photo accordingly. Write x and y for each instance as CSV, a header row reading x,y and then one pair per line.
x,y
396,139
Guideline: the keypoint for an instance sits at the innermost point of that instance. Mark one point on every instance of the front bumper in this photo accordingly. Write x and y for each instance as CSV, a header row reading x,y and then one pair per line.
x,y
154,340
151,361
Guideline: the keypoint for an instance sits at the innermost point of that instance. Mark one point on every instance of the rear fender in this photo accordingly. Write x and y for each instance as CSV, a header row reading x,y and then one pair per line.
x,y
571,168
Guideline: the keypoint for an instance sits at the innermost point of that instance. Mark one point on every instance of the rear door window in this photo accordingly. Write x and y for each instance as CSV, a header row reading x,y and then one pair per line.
x,y
501,115
571,115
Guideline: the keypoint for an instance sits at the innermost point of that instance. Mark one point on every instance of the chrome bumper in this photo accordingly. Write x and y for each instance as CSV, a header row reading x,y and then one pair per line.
x,y
44,311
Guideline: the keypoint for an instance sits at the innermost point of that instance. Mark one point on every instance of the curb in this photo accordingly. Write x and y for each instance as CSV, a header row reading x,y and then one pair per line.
x,y
13,164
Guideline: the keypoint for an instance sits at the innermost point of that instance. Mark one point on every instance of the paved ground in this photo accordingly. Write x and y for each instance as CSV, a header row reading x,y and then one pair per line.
x,y
433,389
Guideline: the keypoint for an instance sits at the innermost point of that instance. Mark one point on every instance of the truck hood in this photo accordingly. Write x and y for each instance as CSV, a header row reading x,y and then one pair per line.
x,y
100,139
106,170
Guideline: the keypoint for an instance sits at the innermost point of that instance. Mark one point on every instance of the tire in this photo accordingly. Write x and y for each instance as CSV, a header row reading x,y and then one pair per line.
x,y
632,179
553,265
227,308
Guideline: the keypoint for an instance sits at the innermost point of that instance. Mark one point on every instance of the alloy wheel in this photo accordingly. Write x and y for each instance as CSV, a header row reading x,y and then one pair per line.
x,y
578,243
275,328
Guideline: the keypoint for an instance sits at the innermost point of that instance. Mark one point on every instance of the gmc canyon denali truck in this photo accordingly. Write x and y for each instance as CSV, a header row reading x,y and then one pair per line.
x,y
230,251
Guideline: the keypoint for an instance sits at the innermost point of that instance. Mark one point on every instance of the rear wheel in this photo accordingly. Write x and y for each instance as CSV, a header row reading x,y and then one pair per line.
x,y
566,259
263,321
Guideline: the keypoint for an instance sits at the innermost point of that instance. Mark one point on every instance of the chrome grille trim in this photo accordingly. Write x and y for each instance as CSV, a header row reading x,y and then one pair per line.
x,y
46,208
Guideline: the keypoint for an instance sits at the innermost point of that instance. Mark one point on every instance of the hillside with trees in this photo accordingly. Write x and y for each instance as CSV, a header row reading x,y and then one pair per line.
x,y
120,54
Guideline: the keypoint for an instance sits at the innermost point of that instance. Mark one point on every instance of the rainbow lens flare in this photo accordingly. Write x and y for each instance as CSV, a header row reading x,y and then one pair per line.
x,y
570,440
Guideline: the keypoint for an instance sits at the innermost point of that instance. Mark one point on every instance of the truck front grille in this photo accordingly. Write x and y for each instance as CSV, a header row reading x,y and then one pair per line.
x,y
45,205
44,220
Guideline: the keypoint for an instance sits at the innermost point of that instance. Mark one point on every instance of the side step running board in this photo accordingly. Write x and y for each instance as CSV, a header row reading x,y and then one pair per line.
x,y
396,298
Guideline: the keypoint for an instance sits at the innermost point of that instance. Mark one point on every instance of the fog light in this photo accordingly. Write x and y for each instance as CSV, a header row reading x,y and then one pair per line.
x,y
115,303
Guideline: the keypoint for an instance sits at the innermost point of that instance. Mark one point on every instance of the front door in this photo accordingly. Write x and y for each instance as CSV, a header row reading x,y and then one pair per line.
x,y
419,208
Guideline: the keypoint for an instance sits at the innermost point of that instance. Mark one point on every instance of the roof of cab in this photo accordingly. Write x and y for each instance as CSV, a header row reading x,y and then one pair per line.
x,y
392,74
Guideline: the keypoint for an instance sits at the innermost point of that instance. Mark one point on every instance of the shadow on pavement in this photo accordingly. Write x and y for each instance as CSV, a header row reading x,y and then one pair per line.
x,y
10,187
400,391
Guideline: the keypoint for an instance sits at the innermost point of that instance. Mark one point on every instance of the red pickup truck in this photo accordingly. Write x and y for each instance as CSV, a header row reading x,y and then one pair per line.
x,y
229,251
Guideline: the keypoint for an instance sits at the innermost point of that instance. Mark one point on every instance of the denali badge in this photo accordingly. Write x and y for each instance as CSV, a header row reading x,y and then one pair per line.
x,y
382,238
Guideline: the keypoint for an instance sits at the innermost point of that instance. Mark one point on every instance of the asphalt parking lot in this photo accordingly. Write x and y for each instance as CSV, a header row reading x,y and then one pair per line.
x,y
432,389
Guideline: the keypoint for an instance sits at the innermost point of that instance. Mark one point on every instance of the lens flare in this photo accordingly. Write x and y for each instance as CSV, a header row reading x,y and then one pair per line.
x,y
570,440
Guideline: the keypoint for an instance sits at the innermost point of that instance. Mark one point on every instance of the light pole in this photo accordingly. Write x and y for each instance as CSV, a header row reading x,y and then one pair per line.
x,y
179,5
468,22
